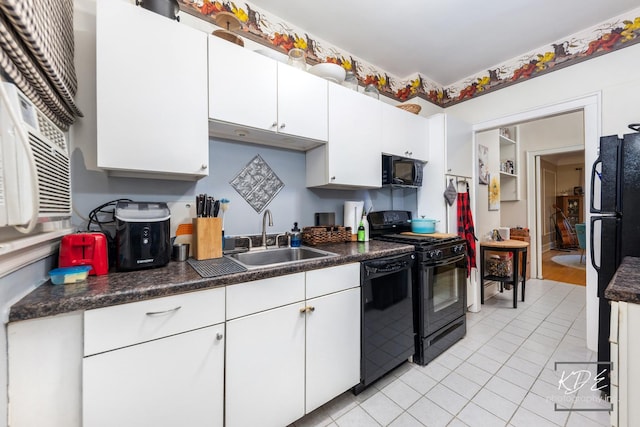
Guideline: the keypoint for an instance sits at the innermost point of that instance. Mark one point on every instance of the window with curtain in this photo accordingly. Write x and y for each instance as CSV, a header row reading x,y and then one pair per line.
x,y
37,51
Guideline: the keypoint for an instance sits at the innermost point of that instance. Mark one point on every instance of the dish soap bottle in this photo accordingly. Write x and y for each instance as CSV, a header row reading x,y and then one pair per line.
x,y
361,233
296,236
365,224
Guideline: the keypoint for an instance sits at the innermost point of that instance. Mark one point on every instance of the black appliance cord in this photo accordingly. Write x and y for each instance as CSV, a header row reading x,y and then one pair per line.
x,y
102,217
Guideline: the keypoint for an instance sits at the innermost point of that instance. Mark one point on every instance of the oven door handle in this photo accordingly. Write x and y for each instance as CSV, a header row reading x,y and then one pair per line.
x,y
391,267
447,261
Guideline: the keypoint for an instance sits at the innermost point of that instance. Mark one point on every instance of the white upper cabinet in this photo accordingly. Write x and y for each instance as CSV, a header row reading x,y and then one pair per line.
x,y
458,137
404,134
242,86
352,158
151,94
302,104
254,98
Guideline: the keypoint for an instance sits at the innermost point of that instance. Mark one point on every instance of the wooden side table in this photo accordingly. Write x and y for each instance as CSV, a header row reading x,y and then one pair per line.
x,y
518,251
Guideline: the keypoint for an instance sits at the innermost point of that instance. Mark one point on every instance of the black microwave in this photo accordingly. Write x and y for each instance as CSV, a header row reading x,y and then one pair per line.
x,y
401,171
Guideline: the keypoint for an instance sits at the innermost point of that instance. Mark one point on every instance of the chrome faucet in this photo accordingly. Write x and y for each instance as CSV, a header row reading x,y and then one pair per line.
x,y
264,226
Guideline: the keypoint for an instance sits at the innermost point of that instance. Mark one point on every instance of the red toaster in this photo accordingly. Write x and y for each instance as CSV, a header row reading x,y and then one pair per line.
x,y
85,249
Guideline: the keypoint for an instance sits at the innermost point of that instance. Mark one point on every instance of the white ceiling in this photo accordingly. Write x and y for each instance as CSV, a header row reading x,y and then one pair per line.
x,y
443,40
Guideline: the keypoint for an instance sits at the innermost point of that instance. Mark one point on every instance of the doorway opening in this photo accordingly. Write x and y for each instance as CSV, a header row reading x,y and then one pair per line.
x,y
546,168
589,106
560,189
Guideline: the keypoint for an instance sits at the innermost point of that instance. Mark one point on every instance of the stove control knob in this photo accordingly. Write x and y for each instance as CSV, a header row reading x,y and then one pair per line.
x,y
458,249
435,254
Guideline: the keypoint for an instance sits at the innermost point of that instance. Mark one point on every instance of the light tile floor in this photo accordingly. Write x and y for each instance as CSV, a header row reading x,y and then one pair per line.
x,y
502,373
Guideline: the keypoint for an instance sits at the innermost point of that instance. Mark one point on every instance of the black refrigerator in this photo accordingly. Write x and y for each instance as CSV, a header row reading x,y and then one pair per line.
x,y
615,209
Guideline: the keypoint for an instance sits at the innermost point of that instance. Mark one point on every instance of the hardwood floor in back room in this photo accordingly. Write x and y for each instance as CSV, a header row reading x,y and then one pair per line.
x,y
560,273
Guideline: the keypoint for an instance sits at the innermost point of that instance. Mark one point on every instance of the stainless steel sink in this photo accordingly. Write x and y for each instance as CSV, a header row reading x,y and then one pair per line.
x,y
259,258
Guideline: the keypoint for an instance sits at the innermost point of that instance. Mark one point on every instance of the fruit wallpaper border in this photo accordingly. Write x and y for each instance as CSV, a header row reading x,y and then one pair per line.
x,y
261,27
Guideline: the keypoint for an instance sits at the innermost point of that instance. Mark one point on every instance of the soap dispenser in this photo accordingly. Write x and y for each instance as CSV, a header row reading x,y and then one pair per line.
x,y
296,236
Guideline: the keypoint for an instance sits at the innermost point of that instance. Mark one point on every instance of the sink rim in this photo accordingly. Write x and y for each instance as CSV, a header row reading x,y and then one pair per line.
x,y
248,266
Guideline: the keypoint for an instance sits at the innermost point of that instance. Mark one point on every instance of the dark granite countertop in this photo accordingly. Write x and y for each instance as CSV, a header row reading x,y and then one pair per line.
x,y
175,278
625,285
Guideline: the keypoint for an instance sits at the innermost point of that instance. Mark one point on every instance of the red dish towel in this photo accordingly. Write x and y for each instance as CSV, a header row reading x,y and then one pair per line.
x,y
466,229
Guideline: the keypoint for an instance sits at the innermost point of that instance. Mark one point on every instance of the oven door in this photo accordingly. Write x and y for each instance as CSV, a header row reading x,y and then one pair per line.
x,y
442,293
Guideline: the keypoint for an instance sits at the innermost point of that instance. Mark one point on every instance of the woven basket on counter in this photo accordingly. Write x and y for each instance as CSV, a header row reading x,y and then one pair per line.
x,y
412,108
320,235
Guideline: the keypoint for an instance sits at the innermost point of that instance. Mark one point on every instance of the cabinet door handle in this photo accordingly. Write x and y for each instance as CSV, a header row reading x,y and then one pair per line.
x,y
311,309
219,336
203,167
274,124
282,126
163,312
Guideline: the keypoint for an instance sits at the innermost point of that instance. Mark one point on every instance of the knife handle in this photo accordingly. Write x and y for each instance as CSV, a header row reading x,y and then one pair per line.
x,y
199,205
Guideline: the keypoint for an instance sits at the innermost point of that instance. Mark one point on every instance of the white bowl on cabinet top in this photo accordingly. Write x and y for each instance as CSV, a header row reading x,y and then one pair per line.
x,y
330,71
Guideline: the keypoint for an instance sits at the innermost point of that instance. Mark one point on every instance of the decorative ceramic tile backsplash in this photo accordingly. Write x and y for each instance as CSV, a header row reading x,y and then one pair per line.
x,y
257,183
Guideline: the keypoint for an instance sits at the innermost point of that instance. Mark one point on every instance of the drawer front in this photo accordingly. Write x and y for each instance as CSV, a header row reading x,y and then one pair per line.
x,y
259,295
332,279
127,324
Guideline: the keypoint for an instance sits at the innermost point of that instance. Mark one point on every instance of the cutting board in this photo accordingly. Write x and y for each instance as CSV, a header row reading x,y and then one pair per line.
x,y
435,235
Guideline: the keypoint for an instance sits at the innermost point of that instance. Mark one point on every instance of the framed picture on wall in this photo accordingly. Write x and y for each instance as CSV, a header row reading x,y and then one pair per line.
x,y
483,166
494,194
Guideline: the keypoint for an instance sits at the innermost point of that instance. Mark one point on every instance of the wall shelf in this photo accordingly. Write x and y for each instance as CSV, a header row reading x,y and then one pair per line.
x,y
509,164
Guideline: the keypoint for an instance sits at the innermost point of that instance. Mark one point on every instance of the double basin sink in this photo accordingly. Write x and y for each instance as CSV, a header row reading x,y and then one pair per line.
x,y
259,258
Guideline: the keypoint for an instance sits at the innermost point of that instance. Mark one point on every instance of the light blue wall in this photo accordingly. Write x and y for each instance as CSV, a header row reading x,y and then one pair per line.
x,y
294,202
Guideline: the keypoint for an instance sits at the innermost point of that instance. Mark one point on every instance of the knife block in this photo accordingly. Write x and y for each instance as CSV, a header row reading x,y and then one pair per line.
x,y
207,238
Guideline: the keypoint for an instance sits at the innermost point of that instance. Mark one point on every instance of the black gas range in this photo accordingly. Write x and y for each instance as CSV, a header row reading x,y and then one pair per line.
x,y
439,282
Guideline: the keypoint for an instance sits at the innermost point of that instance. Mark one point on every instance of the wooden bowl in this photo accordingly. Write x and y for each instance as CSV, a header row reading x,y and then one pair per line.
x,y
412,108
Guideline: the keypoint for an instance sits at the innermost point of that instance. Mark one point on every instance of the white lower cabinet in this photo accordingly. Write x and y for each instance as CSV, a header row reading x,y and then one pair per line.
x,y
290,344
173,381
265,368
158,362
286,361
333,342
625,374
45,375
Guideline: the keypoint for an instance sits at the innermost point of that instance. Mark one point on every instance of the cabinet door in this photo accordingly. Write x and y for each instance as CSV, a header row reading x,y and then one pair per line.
x,y
459,136
333,346
151,86
174,381
242,86
355,154
404,134
265,368
302,104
